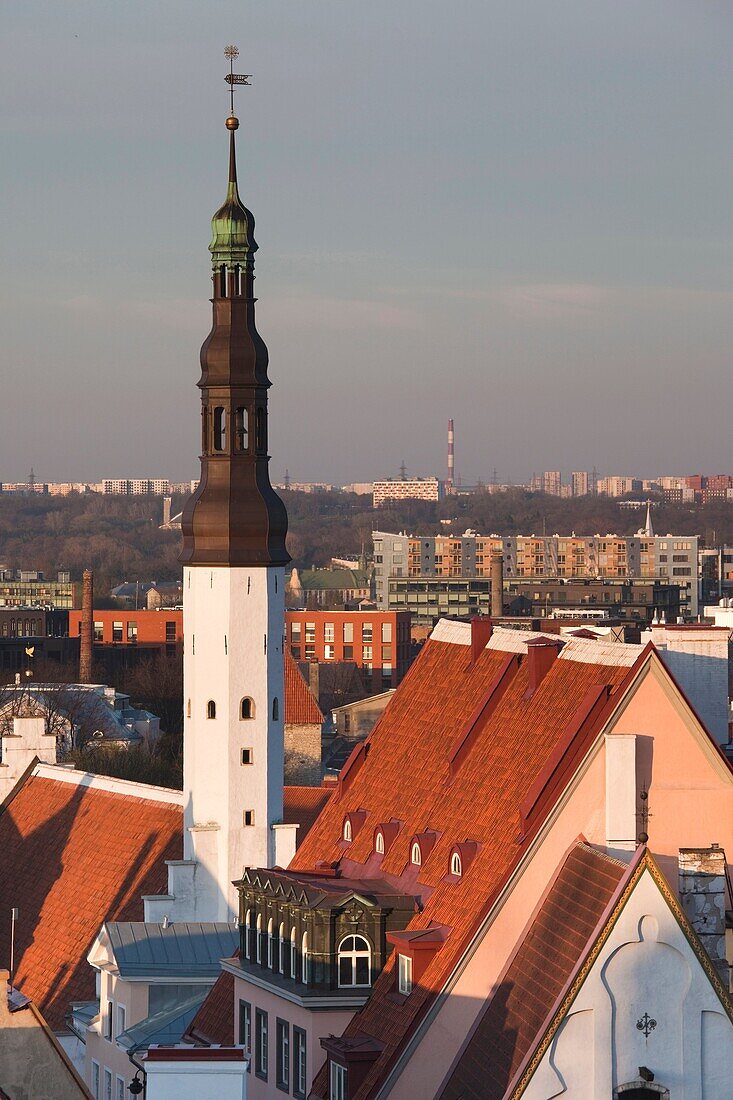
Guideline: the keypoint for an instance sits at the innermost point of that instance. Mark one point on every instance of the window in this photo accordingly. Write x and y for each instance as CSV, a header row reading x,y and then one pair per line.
x,y
120,1021
95,1080
304,960
261,1044
271,944
283,945
245,1026
131,631
246,709
329,632
310,632
456,867
416,854
170,630
275,709
354,959
386,632
348,835
108,1084
121,1093
116,631
337,1082
300,1079
108,1021
241,428
295,632
366,632
211,709
366,653
247,934
348,652
261,430
247,757
220,428
293,953
283,1055
259,938
98,631
404,974
329,652
248,818
379,844
348,632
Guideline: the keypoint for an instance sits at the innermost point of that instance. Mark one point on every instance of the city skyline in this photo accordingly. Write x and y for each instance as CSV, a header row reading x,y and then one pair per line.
x,y
521,222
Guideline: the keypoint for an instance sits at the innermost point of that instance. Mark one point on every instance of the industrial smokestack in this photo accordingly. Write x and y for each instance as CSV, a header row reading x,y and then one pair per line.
x,y
87,628
450,482
497,583
166,511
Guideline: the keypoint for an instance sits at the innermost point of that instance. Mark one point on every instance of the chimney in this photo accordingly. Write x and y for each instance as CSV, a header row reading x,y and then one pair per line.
x,y
541,656
497,583
702,893
87,628
481,631
451,458
166,511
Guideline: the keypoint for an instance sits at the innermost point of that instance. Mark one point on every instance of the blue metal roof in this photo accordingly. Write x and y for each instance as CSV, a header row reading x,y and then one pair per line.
x,y
180,950
162,1028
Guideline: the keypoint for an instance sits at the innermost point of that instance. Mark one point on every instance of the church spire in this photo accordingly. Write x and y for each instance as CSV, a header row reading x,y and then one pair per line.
x,y
234,517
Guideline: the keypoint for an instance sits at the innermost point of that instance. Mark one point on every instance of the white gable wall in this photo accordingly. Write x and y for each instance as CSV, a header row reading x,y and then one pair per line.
x,y
646,968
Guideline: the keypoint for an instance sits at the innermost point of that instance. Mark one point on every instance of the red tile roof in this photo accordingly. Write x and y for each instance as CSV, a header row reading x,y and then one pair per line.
x,y
405,774
72,857
539,971
301,709
213,1024
302,805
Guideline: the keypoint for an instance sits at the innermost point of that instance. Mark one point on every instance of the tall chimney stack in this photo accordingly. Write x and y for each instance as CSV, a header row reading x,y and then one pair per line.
x,y
450,482
87,628
497,583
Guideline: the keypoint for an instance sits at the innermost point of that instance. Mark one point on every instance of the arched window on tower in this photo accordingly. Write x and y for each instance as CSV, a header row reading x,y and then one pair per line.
x,y
246,709
223,281
241,429
220,428
261,430
275,709
304,960
237,279
211,709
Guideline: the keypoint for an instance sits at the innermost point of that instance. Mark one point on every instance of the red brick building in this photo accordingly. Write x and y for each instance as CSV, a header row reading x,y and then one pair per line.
x,y
378,642
142,627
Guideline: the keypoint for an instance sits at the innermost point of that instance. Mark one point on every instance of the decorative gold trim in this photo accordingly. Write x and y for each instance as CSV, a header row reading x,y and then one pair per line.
x,y
646,863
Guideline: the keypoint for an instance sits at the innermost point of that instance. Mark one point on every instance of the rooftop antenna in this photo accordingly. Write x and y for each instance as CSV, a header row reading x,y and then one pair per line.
x,y
31,478
287,479
231,53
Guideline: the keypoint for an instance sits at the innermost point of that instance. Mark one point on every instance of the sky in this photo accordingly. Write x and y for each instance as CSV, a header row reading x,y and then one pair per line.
x,y
513,212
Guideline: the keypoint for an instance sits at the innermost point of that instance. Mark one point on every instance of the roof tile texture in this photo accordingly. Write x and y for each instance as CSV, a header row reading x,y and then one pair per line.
x,y
72,857
556,941
301,709
214,1022
406,775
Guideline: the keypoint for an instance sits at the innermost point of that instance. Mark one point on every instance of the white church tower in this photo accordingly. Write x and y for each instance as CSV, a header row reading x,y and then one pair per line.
x,y
234,559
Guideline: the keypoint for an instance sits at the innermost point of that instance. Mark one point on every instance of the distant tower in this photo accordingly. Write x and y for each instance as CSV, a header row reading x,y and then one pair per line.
x,y
648,529
31,478
234,560
86,638
450,480
403,470
287,479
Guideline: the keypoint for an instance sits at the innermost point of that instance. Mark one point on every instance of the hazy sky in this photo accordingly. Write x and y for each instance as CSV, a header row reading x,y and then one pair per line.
x,y
513,212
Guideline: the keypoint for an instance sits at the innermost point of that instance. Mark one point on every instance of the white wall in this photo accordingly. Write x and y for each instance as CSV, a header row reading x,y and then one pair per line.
x,y
195,1079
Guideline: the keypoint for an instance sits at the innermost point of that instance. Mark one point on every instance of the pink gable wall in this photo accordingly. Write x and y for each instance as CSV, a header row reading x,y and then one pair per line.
x,y
691,803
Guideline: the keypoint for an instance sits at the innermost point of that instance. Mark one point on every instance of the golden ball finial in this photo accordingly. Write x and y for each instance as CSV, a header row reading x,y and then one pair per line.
x,y
232,123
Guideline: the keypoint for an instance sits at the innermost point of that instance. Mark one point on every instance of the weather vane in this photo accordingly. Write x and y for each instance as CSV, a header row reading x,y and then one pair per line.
x,y
232,53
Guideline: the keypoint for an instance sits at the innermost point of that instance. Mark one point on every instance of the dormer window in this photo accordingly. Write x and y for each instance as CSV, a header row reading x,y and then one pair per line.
x,y
348,835
416,855
379,843
404,974
354,962
456,865
461,858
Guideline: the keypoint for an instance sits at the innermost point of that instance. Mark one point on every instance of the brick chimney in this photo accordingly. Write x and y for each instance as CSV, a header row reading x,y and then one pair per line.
x,y
541,656
87,628
702,893
481,631
497,583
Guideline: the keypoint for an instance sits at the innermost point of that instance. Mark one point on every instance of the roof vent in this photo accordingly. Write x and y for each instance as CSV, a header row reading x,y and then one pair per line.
x,y
541,656
481,630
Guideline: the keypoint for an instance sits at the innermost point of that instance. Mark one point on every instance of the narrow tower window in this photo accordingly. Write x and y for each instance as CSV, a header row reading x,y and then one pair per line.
x,y
261,430
246,709
237,279
275,709
241,428
220,428
223,281
211,709
205,430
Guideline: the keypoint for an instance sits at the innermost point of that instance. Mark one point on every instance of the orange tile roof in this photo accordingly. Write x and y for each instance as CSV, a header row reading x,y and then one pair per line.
x,y
405,774
301,709
72,857
556,941
302,805
213,1024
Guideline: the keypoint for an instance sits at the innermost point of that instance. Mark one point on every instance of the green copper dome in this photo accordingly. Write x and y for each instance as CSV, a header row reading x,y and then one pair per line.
x,y
232,227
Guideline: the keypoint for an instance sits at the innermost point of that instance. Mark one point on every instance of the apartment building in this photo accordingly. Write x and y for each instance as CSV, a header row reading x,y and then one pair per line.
x,y
144,486
580,483
378,642
670,558
617,486
29,588
408,488
163,626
